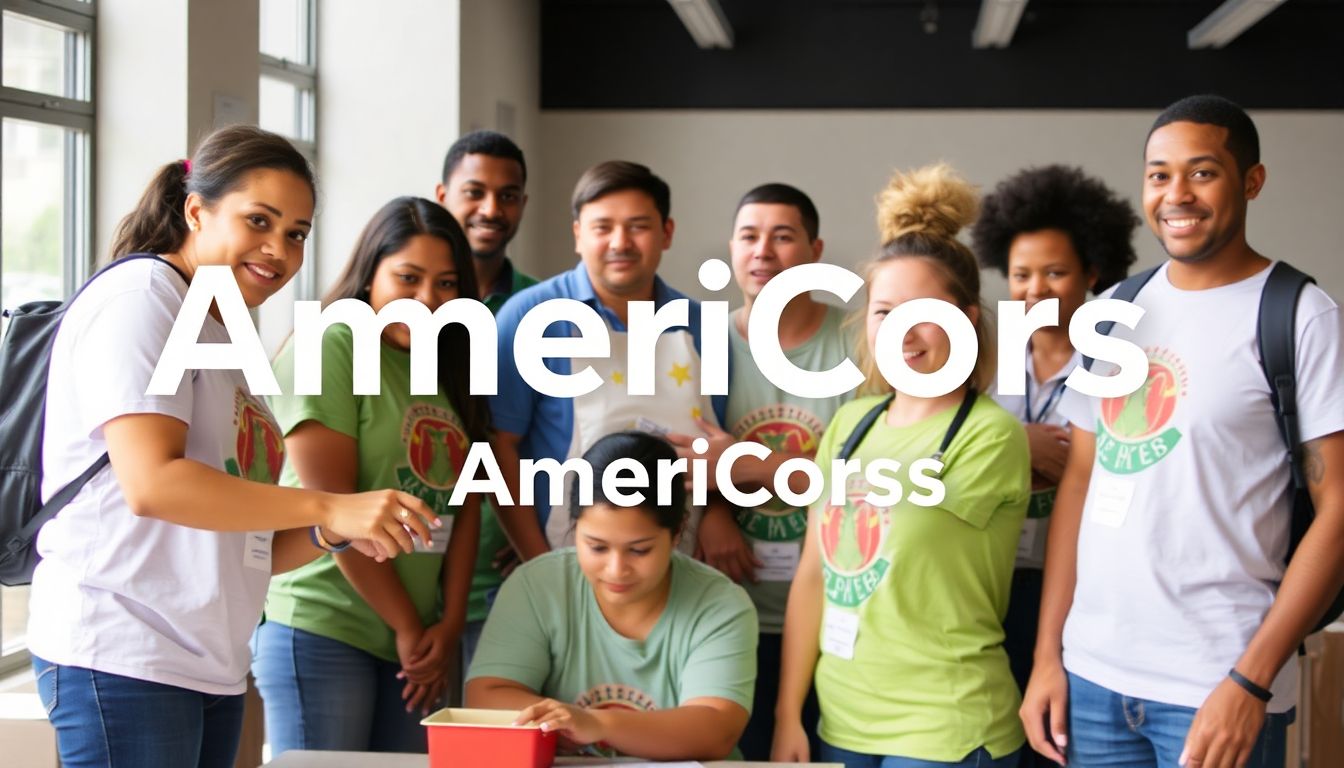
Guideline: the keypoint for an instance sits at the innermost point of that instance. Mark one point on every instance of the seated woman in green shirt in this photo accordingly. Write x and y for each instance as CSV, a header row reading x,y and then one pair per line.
x,y
898,610
621,644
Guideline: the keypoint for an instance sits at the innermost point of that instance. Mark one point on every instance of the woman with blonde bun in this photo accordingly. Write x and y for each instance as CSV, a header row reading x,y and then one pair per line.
x,y
897,611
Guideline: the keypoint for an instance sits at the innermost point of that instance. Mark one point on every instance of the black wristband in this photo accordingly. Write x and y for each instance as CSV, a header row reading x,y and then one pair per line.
x,y
1250,687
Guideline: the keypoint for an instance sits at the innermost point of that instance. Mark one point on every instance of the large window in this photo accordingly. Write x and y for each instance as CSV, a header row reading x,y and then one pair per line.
x,y
46,118
287,94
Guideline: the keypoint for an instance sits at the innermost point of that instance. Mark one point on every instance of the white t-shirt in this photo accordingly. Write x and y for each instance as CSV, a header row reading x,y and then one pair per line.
x,y
1044,409
1185,527
136,596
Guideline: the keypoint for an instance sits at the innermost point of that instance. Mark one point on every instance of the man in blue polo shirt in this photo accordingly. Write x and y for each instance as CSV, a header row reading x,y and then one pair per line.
x,y
621,228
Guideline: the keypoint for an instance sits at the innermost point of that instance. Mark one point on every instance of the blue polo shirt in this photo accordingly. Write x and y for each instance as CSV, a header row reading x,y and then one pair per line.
x,y
547,423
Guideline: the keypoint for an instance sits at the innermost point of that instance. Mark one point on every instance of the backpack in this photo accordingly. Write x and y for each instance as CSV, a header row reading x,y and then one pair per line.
x,y
25,357
1276,340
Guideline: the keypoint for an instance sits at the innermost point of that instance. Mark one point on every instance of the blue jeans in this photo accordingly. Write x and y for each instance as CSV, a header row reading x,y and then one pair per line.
x,y
978,759
320,693
109,721
1108,729
759,734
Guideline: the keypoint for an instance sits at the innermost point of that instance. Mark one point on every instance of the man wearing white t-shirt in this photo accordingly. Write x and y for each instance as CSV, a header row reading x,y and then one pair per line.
x,y
1165,557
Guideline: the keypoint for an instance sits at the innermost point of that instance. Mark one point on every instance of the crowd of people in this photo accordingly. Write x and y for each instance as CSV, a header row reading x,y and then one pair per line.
x,y
1105,582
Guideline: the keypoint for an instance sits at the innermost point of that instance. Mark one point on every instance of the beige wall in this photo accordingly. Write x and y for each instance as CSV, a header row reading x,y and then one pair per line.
x,y
501,75
841,159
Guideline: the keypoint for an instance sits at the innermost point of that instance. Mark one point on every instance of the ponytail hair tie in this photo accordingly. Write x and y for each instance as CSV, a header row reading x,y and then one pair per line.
x,y
186,166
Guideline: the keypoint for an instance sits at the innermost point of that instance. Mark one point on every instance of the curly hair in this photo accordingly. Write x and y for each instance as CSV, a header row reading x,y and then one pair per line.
x,y
1097,221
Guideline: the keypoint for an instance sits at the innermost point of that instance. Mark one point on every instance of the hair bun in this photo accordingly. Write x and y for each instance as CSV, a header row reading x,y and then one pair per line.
x,y
933,200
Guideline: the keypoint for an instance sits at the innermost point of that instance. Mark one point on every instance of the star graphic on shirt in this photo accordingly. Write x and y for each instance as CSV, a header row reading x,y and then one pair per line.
x,y
617,377
695,412
681,373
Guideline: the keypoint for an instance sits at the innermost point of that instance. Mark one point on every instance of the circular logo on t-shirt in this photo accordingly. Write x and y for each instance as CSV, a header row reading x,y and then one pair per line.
x,y
436,450
1132,436
614,696
259,451
786,428
852,557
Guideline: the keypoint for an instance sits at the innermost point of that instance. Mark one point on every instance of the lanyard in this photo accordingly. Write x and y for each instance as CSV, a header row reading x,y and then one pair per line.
x,y
1047,406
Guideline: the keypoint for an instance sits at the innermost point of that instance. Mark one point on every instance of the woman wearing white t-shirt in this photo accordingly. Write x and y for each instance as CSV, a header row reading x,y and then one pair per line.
x,y
153,577
1055,233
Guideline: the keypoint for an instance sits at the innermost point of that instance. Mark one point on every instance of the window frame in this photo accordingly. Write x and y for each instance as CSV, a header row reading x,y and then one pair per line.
x,y
75,113
303,76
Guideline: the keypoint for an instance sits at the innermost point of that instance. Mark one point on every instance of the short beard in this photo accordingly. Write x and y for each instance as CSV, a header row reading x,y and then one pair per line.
x,y
488,255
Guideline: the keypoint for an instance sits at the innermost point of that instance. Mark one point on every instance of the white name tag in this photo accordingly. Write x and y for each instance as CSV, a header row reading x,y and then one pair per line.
x,y
257,550
1110,500
779,559
438,541
839,632
1031,544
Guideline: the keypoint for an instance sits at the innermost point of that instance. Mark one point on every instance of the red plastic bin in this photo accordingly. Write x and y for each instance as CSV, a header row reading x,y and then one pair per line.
x,y
474,738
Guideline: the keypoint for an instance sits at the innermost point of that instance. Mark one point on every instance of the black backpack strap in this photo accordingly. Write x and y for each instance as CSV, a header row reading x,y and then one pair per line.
x,y
862,428
1276,336
23,538
1127,290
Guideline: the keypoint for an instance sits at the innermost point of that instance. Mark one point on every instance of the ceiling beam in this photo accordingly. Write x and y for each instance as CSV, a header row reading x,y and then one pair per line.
x,y
997,23
705,21
1228,21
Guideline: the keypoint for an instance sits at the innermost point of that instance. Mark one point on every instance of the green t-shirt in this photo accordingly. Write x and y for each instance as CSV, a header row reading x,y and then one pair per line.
x,y
414,443
547,632
485,578
929,678
760,411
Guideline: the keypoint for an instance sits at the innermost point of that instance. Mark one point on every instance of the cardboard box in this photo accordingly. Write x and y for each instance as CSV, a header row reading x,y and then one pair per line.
x,y
27,740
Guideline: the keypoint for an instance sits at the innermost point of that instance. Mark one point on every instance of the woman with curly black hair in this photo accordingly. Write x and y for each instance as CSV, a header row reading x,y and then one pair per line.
x,y
1055,233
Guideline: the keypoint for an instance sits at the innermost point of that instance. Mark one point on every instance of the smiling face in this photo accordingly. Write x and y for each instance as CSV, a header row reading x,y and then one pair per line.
x,y
768,238
485,195
257,230
1194,196
1044,265
422,270
892,283
621,238
623,552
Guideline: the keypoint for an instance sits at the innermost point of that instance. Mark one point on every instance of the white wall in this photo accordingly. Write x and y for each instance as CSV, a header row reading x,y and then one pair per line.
x,y
387,91
843,158
501,74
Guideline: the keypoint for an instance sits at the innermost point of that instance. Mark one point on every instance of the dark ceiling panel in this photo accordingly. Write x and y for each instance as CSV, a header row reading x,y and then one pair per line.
x,y
876,54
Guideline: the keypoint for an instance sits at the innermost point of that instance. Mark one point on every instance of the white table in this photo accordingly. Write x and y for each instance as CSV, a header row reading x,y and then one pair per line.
x,y
315,759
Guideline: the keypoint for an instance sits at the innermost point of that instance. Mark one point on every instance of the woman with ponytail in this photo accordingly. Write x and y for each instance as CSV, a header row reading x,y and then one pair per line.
x,y
153,576
897,611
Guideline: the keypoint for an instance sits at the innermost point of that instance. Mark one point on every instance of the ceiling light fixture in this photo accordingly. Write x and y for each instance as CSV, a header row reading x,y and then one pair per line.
x,y
705,21
997,23
1228,21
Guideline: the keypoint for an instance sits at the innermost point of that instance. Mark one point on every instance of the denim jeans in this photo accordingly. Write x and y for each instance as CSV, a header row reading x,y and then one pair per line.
x,y
759,734
320,693
978,759
1115,731
1019,641
109,721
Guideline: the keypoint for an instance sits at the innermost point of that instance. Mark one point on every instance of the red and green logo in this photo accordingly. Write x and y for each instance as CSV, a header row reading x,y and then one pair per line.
x,y
613,696
259,451
789,429
436,451
1132,434
852,557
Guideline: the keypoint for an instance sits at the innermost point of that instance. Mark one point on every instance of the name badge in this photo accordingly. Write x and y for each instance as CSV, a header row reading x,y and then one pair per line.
x,y
438,538
779,559
257,550
1110,500
839,632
